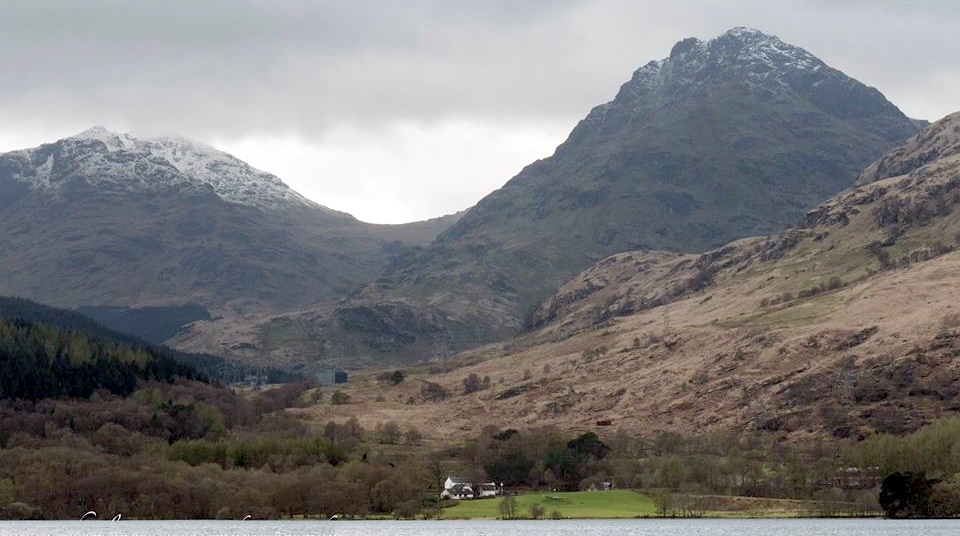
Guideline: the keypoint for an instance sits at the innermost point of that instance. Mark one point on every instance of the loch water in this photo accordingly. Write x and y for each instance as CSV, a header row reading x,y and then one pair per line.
x,y
619,527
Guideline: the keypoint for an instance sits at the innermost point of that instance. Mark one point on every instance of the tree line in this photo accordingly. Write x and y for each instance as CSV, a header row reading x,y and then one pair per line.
x,y
188,449
193,450
41,361
210,366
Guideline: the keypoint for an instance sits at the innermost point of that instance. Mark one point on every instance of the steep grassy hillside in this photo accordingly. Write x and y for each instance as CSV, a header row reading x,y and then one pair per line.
x,y
845,325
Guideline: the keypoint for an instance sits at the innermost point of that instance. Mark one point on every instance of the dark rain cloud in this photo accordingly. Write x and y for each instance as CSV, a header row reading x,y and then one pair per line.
x,y
221,66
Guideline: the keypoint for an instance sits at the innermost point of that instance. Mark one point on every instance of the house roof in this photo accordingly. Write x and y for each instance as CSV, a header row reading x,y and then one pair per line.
x,y
462,489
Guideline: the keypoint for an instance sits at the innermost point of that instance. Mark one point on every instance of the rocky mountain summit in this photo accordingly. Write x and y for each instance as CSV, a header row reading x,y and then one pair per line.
x,y
753,61
727,138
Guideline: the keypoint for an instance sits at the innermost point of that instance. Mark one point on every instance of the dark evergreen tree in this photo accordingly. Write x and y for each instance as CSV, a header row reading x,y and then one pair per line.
x,y
904,495
509,469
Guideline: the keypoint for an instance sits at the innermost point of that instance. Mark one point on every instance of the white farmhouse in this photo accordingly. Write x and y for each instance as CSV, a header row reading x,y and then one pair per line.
x,y
456,487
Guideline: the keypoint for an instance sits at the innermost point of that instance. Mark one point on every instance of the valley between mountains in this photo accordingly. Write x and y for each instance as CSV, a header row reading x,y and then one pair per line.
x,y
743,238
733,137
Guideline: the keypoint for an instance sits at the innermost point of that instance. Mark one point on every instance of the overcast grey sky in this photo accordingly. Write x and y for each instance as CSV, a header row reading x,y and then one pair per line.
x,y
402,110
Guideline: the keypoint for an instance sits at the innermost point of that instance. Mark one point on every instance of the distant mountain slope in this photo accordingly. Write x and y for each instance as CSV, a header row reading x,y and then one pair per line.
x,y
102,218
727,138
846,325
152,324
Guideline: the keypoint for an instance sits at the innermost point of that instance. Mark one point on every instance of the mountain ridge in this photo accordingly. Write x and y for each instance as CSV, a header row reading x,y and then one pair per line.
x,y
109,219
159,164
941,140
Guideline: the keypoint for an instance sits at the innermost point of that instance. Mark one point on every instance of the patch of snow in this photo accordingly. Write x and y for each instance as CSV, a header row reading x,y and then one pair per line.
x,y
762,62
121,161
112,140
760,48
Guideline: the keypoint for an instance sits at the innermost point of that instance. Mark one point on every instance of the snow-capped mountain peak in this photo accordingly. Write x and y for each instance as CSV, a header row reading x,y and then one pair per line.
x,y
739,62
741,65
121,162
759,60
112,140
754,46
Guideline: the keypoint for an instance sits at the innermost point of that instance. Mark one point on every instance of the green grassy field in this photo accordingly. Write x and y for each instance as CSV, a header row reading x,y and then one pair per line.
x,y
579,504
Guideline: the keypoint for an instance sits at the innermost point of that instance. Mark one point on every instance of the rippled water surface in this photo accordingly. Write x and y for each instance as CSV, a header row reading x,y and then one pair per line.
x,y
638,527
